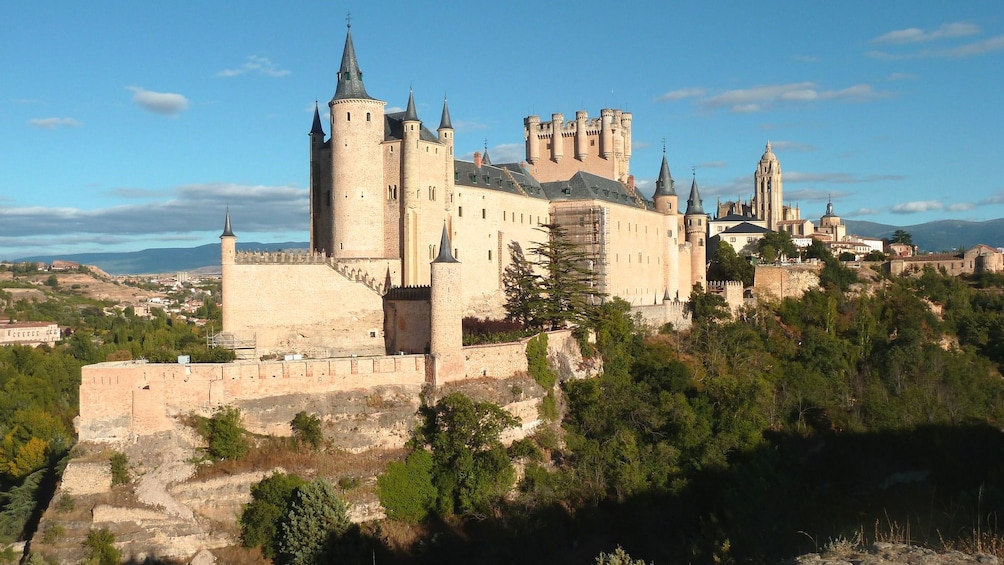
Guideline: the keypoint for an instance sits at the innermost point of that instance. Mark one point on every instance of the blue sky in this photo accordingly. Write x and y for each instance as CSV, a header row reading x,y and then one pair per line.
x,y
129,125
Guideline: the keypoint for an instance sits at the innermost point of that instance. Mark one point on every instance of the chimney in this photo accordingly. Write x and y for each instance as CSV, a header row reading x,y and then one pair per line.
x,y
631,182
477,159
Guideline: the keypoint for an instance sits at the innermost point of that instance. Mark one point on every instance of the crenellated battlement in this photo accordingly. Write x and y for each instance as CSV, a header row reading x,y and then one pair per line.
x,y
351,269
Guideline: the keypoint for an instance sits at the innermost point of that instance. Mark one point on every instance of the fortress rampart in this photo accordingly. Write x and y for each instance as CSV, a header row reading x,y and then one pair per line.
x,y
773,282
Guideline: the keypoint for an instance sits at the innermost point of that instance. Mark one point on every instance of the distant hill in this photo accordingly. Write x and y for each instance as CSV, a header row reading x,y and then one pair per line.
x,y
932,236
942,235
161,260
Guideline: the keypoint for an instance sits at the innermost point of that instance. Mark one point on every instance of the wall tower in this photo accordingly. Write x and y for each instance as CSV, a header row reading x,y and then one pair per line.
x,y
667,204
357,131
697,230
228,258
446,313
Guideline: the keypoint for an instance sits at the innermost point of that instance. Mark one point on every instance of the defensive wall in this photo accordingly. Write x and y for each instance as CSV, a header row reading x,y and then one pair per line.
x,y
777,282
668,312
125,400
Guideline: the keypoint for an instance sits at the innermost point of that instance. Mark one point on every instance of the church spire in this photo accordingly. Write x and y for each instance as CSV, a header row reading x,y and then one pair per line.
x,y
350,78
694,205
664,184
227,232
444,122
316,127
410,114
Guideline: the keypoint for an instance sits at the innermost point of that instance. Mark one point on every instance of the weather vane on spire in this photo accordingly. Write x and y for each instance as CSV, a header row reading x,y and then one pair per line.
x,y
348,20
663,145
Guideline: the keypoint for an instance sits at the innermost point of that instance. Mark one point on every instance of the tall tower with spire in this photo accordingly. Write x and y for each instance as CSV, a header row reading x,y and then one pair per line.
x,y
321,216
696,221
667,204
357,176
768,190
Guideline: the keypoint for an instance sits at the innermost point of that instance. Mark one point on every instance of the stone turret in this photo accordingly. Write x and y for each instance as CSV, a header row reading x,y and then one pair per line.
x,y
557,143
581,136
357,131
228,258
531,125
697,230
446,313
411,131
321,235
666,203
665,192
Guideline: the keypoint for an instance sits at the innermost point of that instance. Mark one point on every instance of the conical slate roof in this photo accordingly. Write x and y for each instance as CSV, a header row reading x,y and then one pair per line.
x,y
445,254
694,205
664,184
316,127
410,114
350,78
227,232
444,122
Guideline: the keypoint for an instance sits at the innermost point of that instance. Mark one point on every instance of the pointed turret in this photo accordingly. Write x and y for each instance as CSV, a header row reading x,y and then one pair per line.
x,y
485,160
445,254
227,232
350,78
410,115
316,128
444,122
694,204
664,184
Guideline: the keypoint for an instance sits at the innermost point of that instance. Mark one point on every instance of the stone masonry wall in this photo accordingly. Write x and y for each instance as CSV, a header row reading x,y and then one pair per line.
x,y
772,282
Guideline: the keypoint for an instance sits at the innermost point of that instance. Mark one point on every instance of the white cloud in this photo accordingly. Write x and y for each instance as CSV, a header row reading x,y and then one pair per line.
x,y
467,125
960,207
917,35
53,123
917,206
791,146
680,94
864,212
995,199
812,194
163,103
968,50
763,97
255,64
393,109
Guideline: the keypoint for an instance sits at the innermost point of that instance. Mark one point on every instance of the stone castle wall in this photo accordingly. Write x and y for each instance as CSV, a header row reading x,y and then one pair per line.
x,y
772,282
668,312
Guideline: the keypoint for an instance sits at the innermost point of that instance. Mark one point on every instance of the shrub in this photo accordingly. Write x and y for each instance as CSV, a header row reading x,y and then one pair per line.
x,y
52,533
120,468
405,490
225,434
307,429
524,448
317,517
101,549
259,520
65,504
548,409
536,358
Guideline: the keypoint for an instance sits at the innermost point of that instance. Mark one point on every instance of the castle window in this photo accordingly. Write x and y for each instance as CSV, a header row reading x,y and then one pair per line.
x,y
474,178
484,213
456,176
639,256
592,142
489,254
488,181
700,242
456,253
348,116
500,183
732,240
460,211
367,116
432,252
432,193
699,221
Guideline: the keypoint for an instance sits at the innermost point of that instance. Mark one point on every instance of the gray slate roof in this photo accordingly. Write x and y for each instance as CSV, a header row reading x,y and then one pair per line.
x,y
744,228
494,177
350,78
392,128
587,186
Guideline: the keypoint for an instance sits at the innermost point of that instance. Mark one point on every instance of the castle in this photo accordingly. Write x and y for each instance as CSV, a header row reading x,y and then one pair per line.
x,y
382,188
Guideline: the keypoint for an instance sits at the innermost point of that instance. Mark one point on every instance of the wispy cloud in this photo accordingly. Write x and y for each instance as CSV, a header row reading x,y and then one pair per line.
x,y
468,125
864,212
680,94
917,206
256,65
503,153
795,146
973,49
917,35
765,97
163,103
184,209
840,178
711,165
53,123
812,195
960,207
994,199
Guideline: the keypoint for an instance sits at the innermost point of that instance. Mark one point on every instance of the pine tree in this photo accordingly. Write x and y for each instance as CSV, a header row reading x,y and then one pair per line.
x,y
568,287
522,289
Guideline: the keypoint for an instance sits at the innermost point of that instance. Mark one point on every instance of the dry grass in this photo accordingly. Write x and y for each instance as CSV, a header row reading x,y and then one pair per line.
x,y
240,555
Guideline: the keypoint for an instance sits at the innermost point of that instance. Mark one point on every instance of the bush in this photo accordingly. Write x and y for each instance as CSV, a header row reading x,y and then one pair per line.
x,y
120,468
259,520
225,434
101,549
307,429
317,517
524,448
536,357
405,490
548,409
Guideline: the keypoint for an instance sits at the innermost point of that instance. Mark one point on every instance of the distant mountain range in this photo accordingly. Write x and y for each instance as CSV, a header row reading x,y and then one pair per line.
x,y
942,235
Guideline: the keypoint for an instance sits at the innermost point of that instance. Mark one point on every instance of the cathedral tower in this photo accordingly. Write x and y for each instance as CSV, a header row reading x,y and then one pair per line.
x,y
357,131
769,193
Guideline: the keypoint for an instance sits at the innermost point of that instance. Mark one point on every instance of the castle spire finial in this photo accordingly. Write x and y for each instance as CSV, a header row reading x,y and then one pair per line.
x,y
348,20
411,114
664,184
445,254
444,122
316,128
694,204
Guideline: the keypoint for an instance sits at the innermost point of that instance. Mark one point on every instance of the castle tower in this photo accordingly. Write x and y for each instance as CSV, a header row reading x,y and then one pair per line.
x,y
228,258
445,131
446,313
531,125
321,234
697,229
410,190
768,190
357,131
581,137
666,203
557,142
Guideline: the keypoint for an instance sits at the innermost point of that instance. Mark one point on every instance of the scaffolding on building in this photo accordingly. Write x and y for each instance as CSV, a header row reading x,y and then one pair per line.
x,y
588,228
244,349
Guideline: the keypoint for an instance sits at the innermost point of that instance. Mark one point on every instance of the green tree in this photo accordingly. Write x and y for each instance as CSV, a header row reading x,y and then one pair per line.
x,y
901,236
260,518
120,468
225,434
523,301
568,289
705,306
727,265
405,489
875,255
316,518
307,429
471,469
775,245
